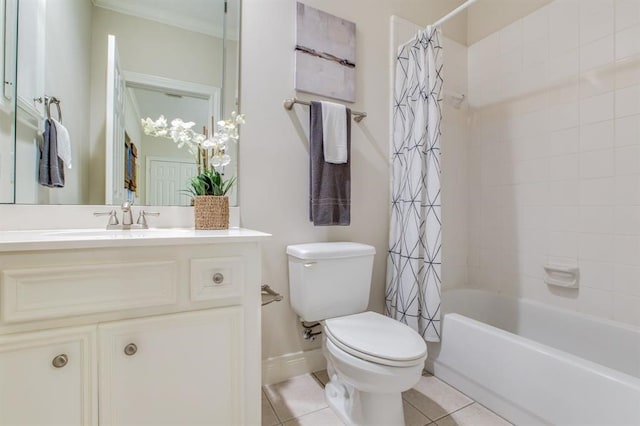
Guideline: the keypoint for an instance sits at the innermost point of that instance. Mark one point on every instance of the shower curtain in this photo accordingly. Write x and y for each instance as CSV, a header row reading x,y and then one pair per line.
x,y
414,258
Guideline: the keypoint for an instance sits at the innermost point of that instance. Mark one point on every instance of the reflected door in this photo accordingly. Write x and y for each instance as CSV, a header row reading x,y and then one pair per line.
x,y
166,180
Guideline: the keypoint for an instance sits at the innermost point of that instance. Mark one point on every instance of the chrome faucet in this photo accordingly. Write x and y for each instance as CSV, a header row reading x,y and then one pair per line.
x,y
127,218
127,214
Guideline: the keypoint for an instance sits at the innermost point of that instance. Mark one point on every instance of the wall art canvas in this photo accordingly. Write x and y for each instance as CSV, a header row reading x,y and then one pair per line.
x,y
325,54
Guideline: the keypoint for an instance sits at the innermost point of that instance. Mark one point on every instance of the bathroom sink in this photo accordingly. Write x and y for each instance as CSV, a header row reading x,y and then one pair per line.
x,y
121,233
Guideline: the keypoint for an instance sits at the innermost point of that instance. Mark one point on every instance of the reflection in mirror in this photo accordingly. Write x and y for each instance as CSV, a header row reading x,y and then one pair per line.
x,y
176,58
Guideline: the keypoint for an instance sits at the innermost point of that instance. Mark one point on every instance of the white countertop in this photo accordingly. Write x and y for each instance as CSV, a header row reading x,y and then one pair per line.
x,y
53,239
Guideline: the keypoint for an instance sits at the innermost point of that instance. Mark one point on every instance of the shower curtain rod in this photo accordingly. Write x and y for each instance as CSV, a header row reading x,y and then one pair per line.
x,y
453,13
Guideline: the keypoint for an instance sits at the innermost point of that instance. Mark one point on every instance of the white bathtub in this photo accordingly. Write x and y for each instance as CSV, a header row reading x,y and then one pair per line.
x,y
534,364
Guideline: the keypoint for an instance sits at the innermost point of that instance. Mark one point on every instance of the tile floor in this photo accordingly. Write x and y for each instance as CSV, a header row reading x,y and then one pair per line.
x,y
300,401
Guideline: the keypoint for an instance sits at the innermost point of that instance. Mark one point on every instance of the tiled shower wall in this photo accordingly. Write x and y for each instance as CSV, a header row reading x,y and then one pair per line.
x,y
554,157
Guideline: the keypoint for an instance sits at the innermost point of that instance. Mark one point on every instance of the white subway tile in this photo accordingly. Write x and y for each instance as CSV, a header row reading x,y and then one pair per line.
x,y
564,193
536,25
596,275
564,66
627,280
564,26
627,73
628,130
628,101
535,78
597,82
565,141
598,247
627,249
531,264
628,42
529,171
596,164
564,167
511,62
596,54
627,190
535,52
564,116
596,219
597,192
563,218
511,37
627,13
596,108
563,244
596,20
627,220
597,136
627,160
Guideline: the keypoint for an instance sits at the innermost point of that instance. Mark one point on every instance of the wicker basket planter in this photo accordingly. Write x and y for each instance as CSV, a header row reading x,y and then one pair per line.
x,y
212,212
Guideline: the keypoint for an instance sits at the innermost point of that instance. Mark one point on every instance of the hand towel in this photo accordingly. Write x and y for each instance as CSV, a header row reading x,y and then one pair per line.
x,y
51,168
334,130
64,143
330,184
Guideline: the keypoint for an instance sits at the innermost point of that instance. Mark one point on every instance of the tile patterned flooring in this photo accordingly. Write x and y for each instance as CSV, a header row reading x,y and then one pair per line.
x,y
300,401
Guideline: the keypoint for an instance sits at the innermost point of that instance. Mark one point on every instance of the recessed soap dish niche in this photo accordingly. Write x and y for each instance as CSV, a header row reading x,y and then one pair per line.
x,y
562,275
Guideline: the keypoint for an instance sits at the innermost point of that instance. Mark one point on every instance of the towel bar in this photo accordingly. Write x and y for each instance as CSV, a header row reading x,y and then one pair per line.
x,y
288,105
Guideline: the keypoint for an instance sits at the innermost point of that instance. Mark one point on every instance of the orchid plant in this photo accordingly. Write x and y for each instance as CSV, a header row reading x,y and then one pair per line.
x,y
210,150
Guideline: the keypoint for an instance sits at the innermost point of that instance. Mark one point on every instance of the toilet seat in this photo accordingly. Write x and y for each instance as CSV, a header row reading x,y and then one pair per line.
x,y
376,338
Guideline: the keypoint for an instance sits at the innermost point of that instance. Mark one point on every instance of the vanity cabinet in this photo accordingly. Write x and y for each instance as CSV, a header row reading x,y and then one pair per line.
x,y
159,334
48,377
183,369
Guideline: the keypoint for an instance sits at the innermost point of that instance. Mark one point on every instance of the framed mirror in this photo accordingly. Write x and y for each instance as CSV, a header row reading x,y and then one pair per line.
x,y
97,68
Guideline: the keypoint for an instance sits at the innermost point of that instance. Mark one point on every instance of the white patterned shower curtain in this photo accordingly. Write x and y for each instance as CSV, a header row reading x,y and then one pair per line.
x,y
414,261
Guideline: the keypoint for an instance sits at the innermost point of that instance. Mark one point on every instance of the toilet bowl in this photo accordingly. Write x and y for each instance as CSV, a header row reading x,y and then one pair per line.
x,y
371,359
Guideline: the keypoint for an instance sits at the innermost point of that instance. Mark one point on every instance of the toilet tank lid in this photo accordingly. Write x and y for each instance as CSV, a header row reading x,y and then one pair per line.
x,y
329,250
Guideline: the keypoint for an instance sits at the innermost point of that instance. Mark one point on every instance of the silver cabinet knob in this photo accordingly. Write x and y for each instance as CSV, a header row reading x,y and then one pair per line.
x,y
60,361
130,349
218,278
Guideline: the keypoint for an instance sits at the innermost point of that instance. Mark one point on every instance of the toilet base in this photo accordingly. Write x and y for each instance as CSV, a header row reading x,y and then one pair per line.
x,y
358,408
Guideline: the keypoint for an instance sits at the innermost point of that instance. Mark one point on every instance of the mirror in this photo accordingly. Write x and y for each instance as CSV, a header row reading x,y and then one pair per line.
x,y
177,58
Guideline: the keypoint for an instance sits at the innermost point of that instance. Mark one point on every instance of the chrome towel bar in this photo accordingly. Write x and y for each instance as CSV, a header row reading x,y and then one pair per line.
x,y
288,105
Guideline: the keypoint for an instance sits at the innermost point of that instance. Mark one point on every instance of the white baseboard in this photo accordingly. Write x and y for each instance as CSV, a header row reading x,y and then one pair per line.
x,y
286,366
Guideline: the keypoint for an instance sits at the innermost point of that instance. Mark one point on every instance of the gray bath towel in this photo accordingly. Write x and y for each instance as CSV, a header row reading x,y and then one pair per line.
x,y
330,198
51,169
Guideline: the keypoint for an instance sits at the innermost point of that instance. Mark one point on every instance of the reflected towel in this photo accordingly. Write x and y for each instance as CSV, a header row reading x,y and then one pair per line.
x,y
334,132
64,143
51,167
330,184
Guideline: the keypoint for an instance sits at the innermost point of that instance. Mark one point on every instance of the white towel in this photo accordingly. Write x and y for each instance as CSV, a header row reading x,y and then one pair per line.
x,y
64,143
334,132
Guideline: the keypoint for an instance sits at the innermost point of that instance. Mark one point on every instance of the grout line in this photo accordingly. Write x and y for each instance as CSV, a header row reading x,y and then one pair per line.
x,y
271,405
455,411
310,412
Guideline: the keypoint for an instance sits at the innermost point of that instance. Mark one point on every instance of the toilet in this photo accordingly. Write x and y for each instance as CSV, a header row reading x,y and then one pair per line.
x,y
371,358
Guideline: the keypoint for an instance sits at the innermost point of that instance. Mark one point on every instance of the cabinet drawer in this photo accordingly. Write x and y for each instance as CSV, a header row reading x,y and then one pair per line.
x,y
216,278
55,292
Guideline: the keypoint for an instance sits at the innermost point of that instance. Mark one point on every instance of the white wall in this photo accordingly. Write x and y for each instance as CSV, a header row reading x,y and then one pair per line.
x,y
274,150
554,169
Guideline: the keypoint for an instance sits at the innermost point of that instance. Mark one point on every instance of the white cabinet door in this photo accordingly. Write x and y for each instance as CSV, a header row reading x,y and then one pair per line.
x,y
48,378
182,369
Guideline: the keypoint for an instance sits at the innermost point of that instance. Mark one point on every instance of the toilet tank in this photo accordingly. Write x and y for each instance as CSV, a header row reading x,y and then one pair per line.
x,y
328,280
